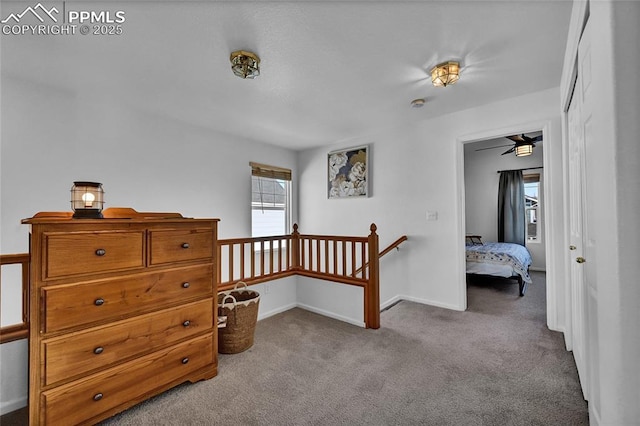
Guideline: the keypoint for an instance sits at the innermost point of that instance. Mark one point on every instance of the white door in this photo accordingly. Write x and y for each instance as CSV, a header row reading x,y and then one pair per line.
x,y
589,105
576,181
582,245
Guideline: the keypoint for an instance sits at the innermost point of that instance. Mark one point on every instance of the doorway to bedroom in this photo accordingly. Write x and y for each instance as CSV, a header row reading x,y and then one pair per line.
x,y
489,166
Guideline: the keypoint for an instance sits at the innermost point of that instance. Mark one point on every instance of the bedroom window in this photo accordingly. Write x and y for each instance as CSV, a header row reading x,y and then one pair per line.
x,y
532,206
270,200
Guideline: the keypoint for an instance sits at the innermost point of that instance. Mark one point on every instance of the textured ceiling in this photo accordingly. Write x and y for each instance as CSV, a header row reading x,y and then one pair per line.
x,y
330,70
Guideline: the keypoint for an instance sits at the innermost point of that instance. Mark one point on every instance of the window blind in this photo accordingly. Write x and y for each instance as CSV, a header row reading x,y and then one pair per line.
x,y
272,172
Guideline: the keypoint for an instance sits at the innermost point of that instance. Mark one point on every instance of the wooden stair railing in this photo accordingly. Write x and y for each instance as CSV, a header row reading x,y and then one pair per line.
x,y
329,257
393,245
21,330
257,260
253,260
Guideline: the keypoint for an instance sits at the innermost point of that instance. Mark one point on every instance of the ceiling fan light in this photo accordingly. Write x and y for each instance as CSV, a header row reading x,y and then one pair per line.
x,y
524,150
245,64
445,74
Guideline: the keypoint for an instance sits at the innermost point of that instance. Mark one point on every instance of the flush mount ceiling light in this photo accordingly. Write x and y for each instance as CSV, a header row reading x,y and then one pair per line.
x,y
245,64
445,74
417,103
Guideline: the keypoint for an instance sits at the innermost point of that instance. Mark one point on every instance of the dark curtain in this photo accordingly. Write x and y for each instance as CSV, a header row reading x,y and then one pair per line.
x,y
511,213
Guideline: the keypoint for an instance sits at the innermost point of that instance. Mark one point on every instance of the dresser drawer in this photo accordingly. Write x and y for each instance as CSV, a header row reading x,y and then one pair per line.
x,y
167,246
120,387
81,253
75,305
80,353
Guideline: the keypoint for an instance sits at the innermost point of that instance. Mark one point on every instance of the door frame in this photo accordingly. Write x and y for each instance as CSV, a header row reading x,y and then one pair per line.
x,y
552,229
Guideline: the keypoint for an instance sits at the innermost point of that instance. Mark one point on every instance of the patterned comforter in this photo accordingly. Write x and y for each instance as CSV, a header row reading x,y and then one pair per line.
x,y
507,254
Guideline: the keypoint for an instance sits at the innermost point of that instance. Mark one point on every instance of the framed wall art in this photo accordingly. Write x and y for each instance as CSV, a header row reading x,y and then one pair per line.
x,y
348,172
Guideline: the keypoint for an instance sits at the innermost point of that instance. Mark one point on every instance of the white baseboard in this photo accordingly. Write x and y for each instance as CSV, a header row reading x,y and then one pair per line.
x,y
331,315
430,302
383,306
276,311
311,309
9,406
395,299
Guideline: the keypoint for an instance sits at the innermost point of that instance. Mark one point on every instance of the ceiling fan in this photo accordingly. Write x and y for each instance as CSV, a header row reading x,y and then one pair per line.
x,y
523,145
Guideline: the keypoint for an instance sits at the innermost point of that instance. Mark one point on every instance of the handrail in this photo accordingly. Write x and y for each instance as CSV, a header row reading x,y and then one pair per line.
x,y
393,245
20,330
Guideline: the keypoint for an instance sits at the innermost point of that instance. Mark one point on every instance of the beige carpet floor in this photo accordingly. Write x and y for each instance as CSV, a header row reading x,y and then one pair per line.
x,y
495,364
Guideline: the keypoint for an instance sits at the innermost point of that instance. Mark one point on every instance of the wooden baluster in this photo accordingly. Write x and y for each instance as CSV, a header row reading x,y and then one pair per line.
x,y
280,250
305,257
344,257
363,257
270,257
231,250
353,258
261,257
253,260
326,256
335,257
242,261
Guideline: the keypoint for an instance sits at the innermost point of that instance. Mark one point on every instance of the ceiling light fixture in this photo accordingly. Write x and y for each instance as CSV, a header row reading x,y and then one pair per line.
x,y
245,64
524,150
445,74
417,103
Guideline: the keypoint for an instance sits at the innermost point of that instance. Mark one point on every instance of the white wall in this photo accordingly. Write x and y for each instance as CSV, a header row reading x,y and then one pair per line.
x,y
413,169
50,137
481,191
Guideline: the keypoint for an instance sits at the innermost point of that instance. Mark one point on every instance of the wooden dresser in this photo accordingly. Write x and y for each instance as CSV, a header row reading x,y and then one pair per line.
x,y
121,309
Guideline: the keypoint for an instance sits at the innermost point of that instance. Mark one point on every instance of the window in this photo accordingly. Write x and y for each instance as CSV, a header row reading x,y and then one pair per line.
x,y
270,200
532,206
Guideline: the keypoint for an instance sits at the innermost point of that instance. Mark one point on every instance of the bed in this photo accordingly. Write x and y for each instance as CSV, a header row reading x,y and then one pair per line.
x,y
505,260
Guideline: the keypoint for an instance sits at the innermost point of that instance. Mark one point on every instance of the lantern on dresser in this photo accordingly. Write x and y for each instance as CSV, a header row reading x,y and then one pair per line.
x,y
87,200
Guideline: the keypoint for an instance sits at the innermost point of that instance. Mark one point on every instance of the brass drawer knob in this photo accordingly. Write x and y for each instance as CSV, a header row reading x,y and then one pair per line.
x,y
98,350
99,301
101,252
185,285
185,245
185,360
187,323
580,259
97,397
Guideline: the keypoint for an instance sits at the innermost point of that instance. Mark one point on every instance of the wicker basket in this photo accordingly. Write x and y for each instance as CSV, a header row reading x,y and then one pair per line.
x,y
240,306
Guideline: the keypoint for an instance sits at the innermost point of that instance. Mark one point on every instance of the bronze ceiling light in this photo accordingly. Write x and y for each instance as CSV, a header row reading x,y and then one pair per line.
x,y
445,74
245,64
